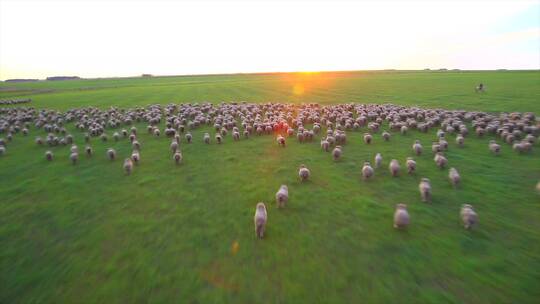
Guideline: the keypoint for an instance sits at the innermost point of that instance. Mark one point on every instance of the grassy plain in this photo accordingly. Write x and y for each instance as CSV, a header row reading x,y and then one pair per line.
x,y
90,234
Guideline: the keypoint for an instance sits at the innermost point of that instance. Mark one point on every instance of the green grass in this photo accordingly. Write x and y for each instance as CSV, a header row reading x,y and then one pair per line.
x,y
90,234
506,90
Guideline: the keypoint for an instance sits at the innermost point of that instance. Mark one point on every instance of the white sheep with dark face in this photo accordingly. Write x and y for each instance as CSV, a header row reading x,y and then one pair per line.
x,y
177,157
111,154
303,173
494,147
48,155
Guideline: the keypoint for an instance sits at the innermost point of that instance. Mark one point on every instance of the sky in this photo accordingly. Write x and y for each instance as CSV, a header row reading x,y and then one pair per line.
x,y
127,38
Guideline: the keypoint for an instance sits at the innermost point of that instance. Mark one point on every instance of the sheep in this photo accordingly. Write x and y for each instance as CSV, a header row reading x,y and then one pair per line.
x,y
336,153
367,171
132,138
206,138
454,177
177,157
440,160
303,173
300,137
378,160
236,136
174,146
128,165
48,155
367,138
404,130
188,137
411,165
281,141
394,167
443,144
417,148
219,139
74,149
116,136
436,147
460,140
135,157
325,145
74,156
494,147
401,217
2,150
425,190
440,133
39,141
111,154
468,216
282,196
530,138
156,132
522,147
480,132
136,145
260,219
104,137
386,136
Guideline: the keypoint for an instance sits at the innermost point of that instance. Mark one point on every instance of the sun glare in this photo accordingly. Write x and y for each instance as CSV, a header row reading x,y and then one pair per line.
x,y
303,83
298,89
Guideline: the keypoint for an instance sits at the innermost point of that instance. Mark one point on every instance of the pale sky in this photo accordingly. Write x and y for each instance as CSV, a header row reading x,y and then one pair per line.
x,y
127,38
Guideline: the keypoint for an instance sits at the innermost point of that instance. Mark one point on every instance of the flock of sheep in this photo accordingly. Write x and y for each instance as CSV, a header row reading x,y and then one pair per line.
x,y
14,101
285,121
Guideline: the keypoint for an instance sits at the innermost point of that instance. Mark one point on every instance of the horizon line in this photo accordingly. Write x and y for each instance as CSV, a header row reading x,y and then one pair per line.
x,y
149,75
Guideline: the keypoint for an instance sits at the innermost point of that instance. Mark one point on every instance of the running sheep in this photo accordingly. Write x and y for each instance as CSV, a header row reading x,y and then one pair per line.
x,y
394,167
128,166
454,177
401,217
411,165
260,219
367,171
303,173
425,190
282,196
468,216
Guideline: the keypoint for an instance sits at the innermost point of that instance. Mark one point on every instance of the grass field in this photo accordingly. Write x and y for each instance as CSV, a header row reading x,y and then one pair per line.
x,y
184,234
